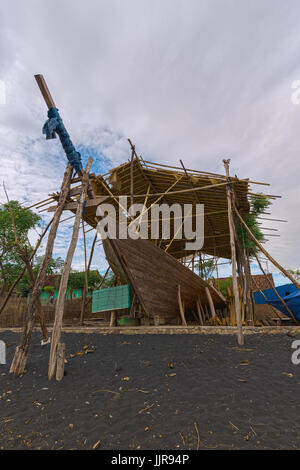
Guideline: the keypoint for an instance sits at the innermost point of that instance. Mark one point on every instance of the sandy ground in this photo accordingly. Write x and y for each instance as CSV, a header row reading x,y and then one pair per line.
x,y
154,392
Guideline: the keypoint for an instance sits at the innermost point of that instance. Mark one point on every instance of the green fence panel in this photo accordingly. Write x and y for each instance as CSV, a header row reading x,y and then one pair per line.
x,y
112,298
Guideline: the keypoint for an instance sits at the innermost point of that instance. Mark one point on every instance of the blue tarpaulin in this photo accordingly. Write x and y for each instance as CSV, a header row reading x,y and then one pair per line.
x,y
288,292
283,291
293,303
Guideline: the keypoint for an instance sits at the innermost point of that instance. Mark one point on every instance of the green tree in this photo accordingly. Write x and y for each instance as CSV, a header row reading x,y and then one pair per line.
x,y
77,280
109,280
295,273
258,205
206,268
15,225
55,265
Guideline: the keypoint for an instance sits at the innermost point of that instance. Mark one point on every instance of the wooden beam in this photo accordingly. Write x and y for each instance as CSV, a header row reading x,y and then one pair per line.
x,y
181,308
210,302
113,318
73,205
201,321
60,367
45,91
131,169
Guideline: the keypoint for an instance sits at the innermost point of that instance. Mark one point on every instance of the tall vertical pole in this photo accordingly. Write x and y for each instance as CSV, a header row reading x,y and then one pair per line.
x,y
59,308
240,335
86,286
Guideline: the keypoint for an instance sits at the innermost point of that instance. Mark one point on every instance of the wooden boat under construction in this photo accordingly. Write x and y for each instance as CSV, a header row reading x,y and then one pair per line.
x,y
160,283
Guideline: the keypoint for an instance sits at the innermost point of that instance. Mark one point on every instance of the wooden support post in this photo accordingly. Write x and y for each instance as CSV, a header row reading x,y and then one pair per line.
x,y
233,257
59,308
198,303
113,318
45,91
249,297
181,309
203,313
210,302
86,286
60,366
20,358
86,274
131,174
206,312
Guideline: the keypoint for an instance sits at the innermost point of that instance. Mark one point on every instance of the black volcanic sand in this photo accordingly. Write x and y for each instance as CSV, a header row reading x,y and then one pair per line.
x,y
154,392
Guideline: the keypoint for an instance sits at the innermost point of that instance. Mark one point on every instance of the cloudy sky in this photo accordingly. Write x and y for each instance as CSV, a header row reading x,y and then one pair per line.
x,y
193,79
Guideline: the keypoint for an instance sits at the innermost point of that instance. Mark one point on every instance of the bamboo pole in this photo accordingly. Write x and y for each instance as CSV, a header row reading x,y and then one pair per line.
x,y
199,312
86,286
233,257
140,217
85,275
131,172
161,195
49,199
181,308
210,302
59,308
197,172
61,347
248,282
197,198
178,230
113,318
180,191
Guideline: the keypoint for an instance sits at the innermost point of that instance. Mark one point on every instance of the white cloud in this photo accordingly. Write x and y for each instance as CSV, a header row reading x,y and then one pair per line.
x,y
196,80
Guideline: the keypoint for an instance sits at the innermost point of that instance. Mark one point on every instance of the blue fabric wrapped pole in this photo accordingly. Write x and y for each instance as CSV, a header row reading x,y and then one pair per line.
x,y
54,125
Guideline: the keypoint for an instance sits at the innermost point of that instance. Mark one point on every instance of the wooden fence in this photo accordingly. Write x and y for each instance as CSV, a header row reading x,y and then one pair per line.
x,y
15,312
